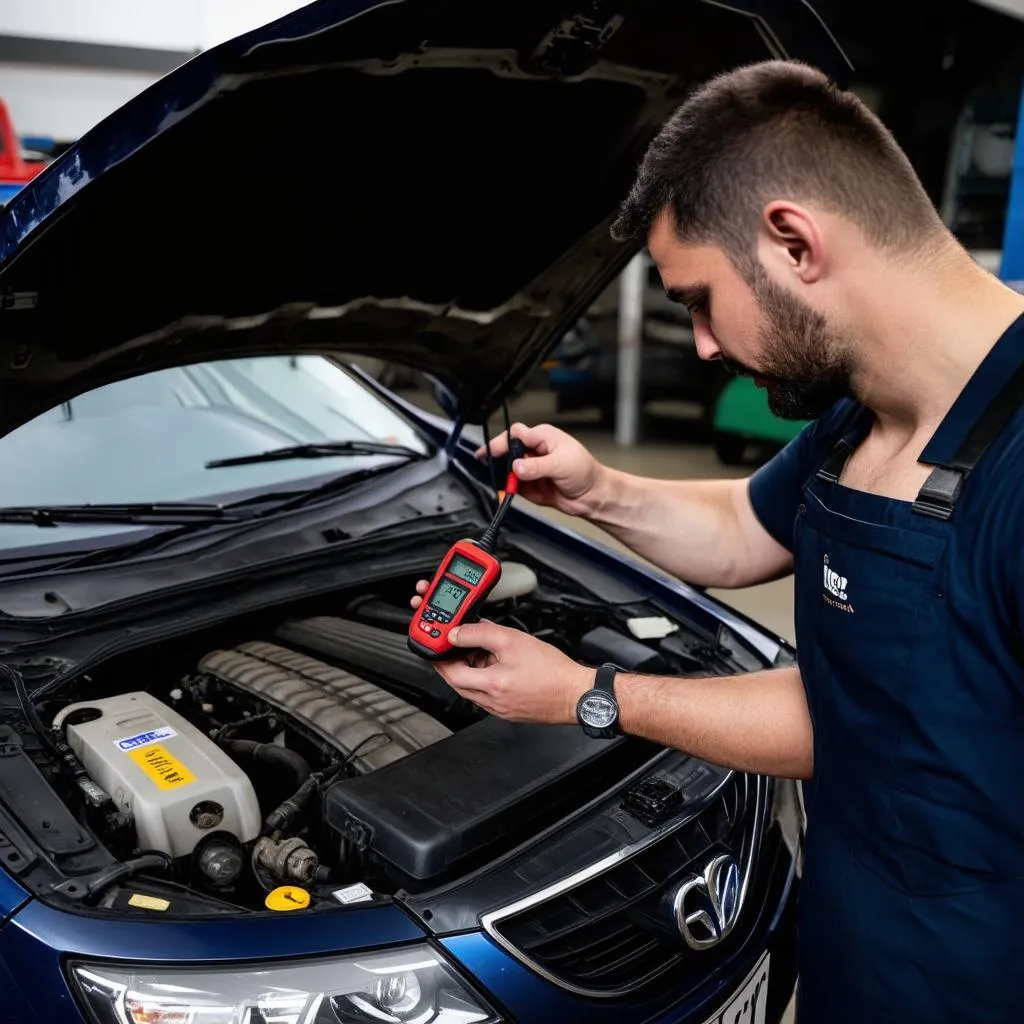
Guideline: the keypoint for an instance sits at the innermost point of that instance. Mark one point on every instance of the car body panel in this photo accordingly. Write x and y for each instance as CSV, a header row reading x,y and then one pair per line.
x,y
12,897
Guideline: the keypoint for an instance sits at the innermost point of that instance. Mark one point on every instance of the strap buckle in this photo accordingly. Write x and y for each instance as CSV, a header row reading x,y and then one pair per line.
x,y
938,495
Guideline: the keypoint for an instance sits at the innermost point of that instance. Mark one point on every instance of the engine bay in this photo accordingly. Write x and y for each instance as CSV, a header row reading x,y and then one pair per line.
x,y
310,752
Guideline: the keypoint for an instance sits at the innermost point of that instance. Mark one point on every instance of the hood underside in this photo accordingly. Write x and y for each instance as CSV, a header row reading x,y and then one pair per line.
x,y
421,182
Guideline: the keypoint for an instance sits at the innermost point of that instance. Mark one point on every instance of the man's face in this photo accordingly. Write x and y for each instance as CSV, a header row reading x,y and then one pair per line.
x,y
762,331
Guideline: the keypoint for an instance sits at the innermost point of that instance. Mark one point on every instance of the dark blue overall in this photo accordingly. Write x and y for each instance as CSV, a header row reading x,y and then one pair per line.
x,y
909,634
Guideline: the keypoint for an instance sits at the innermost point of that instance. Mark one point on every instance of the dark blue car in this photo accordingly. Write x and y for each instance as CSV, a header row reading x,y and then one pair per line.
x,y
229,793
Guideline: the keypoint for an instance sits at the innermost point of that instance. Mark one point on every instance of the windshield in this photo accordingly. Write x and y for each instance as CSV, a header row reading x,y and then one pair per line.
x,y
148,439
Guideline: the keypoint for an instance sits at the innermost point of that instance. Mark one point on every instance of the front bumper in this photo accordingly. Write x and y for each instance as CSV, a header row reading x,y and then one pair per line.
x,y
34,943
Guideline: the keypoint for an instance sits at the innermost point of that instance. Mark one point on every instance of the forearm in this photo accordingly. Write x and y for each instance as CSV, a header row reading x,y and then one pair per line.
x,y
689,528
756,722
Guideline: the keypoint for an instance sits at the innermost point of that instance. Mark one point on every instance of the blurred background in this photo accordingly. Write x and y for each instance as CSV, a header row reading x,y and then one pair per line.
x,y
946,78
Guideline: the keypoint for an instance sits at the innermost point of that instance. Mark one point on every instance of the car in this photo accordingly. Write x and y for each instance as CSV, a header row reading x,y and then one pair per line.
x,y
229,790
742,421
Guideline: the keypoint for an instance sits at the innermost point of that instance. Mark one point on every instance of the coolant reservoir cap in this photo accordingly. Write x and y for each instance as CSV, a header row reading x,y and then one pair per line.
x,y
287,897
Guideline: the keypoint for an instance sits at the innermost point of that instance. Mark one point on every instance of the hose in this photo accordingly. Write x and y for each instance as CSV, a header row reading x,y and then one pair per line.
x,y
281,818
148,861
271,753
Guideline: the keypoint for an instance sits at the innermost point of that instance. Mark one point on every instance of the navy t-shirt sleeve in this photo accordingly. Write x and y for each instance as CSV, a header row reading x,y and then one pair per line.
x,y
776,489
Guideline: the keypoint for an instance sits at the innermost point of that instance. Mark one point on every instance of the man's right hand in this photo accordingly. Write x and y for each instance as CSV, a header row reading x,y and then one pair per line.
x,y
558,471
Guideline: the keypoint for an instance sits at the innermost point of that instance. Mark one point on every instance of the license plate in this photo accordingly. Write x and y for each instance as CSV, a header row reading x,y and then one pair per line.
x,y
749,1005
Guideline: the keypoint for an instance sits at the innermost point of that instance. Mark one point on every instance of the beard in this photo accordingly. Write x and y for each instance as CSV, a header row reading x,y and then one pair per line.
x,y
803,366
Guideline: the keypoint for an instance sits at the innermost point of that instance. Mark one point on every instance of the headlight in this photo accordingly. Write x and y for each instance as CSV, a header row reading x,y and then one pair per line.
x,y
407,986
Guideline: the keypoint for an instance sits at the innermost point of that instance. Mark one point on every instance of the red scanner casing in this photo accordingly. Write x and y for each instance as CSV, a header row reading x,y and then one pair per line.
x,y
444,605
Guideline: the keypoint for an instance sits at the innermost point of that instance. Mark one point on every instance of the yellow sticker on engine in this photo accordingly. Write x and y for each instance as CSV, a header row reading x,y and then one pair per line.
x,y
163,768
138,899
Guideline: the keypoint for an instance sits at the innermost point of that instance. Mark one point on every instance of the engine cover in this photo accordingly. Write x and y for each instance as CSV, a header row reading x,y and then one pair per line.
x,y
157,766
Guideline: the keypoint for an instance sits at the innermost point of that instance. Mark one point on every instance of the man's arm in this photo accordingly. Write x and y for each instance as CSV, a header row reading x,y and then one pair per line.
x,y
757,722
702,531
713,533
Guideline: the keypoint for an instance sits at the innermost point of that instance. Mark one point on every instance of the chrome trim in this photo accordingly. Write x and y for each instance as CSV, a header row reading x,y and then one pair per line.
x,y
748,859
720,887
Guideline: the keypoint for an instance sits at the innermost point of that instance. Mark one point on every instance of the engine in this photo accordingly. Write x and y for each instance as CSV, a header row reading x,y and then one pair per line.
x,y
316,751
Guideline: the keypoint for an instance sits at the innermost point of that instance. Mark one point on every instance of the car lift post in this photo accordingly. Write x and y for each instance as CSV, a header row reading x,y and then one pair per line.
x,y
631,315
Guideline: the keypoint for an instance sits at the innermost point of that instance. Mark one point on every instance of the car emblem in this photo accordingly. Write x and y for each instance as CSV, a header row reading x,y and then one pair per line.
x,y
707,906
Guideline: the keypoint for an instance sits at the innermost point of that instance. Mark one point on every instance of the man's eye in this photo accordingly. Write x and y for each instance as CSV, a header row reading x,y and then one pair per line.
x,y
700,307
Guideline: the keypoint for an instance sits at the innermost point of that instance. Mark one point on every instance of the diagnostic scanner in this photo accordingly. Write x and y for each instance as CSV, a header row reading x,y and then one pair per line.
x,y
466,575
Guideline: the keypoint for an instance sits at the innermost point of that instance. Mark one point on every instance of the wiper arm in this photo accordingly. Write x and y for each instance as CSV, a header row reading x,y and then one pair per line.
x,y
158,513
318,450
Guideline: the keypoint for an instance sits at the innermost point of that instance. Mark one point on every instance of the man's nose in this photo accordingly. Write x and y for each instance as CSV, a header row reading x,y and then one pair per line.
x,y
704,339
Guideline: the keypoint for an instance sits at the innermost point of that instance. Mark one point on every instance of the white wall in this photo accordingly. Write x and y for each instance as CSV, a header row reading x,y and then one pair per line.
x,y
65,102
224,19
186,25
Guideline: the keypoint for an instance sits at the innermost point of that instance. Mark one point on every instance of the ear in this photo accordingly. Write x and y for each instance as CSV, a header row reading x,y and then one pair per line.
x,y
794,240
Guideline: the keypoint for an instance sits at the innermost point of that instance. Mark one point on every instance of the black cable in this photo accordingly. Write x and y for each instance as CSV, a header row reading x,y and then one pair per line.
x,y
150,860
508,436
222,734
490,535
359,746
29,711
490,458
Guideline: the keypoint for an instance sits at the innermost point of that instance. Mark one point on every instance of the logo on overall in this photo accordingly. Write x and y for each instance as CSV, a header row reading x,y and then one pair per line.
x,y
835,588
834,583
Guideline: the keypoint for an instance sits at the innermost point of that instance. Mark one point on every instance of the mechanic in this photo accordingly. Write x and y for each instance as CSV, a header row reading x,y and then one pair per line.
x,y
783,214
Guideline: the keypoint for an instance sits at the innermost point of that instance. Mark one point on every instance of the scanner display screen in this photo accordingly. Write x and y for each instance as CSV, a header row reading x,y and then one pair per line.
x,y
466,570
448,597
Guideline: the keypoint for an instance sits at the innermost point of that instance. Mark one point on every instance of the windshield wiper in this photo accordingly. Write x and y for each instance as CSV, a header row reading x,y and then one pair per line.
x,y
318,450
158,513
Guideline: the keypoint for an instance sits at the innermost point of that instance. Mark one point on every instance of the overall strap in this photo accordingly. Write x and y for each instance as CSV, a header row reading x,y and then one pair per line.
x,y
942,489
832,467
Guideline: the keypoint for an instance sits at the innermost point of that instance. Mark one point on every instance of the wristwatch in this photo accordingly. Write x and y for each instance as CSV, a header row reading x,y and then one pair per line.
x,y
597,710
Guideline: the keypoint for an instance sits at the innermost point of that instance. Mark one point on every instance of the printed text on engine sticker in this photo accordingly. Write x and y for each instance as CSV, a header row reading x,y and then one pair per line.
x,y
163,768
143,739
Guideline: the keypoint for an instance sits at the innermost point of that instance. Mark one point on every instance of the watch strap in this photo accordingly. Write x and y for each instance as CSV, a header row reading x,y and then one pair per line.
x,y
605,679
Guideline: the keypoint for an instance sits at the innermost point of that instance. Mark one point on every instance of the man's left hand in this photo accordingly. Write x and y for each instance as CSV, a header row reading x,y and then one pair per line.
x,y
515,676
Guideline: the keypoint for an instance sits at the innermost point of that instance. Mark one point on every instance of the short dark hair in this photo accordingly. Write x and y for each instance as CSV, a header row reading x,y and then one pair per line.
x,y
775,130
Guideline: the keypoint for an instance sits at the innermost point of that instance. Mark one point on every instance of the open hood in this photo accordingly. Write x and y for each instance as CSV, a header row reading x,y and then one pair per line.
x,y
428,182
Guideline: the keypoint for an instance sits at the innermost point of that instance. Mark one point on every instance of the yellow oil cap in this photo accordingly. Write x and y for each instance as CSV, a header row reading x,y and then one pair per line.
x,y
287,897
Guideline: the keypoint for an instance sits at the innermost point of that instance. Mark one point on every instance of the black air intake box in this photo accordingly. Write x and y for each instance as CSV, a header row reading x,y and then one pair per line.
x,y
448,808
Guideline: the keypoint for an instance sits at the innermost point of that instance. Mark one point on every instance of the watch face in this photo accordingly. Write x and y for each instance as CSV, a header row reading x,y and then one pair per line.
x,y
598,710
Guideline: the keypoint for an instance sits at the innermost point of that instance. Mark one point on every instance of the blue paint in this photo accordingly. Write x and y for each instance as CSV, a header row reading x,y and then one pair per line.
x,y
1012,269
12,896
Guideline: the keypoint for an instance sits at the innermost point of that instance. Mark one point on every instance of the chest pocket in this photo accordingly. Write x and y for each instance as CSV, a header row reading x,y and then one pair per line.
x,y
866,601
